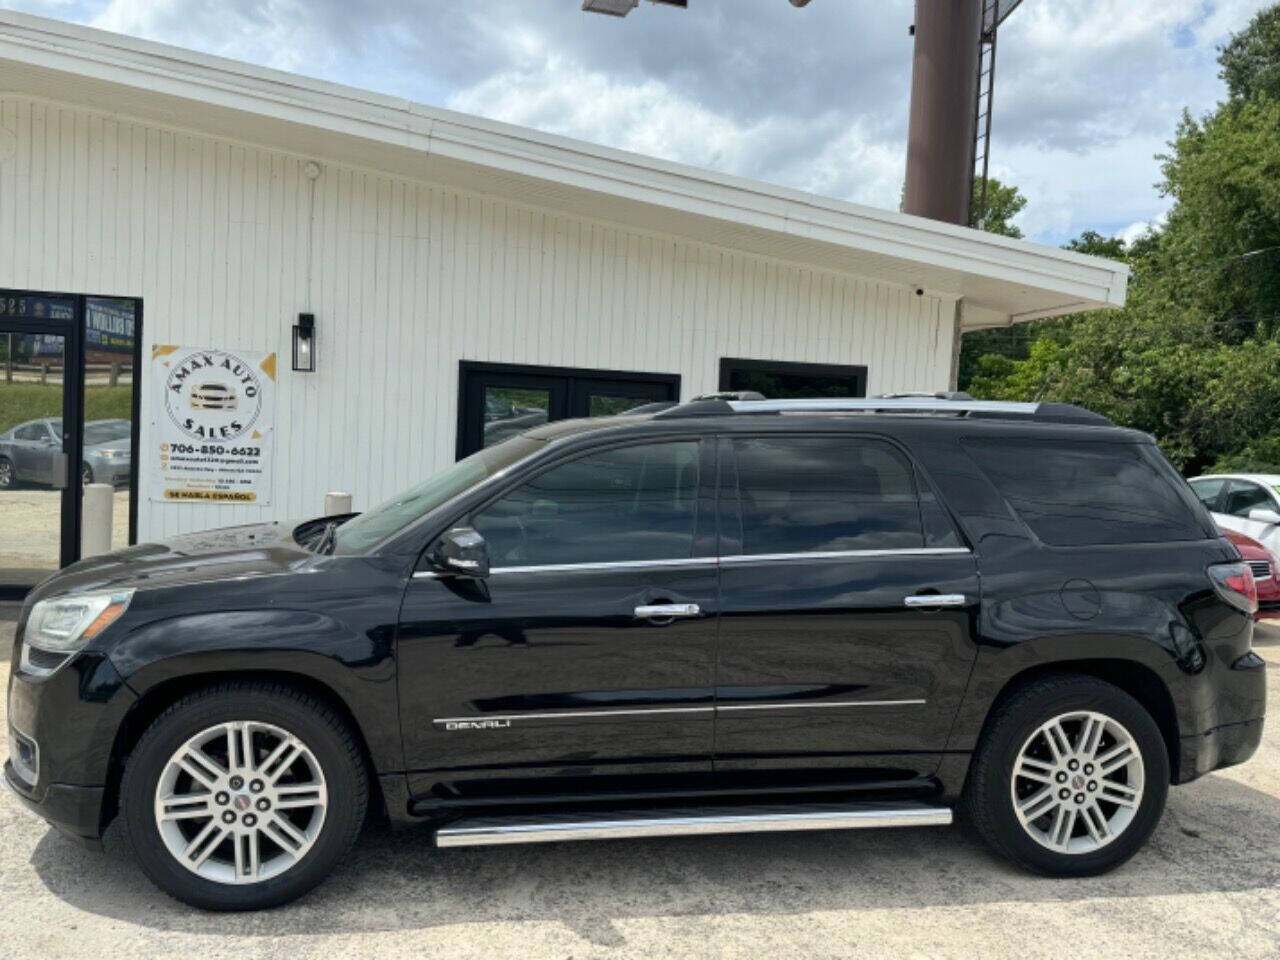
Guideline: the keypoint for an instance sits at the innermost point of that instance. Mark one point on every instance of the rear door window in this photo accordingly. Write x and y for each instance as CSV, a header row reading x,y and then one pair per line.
x,y
1073,494
825,494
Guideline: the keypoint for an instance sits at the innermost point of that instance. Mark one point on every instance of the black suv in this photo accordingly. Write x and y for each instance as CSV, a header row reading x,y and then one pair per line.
x,y
725,616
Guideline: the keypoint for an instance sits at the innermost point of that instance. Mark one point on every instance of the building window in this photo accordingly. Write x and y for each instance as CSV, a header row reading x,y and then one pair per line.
x,y
778,380
500,400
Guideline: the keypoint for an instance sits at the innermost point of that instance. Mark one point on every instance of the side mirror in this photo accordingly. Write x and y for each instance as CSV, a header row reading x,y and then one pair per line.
x,y
462,551
1264,515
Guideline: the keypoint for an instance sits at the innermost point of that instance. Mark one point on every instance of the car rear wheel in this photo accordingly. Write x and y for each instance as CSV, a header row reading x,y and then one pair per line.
x,y
243,796
1070,778
8,476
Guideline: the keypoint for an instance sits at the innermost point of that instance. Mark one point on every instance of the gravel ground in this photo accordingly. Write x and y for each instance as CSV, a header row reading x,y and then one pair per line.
x,y
1207,885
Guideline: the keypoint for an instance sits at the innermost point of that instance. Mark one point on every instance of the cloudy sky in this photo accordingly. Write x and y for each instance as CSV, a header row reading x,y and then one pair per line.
x,y
1087,92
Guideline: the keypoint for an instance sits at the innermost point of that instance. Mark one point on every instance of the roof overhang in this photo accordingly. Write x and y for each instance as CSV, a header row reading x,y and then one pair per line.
x,y
1001,280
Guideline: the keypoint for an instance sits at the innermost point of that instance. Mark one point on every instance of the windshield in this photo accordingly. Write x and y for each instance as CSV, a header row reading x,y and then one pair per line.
x,y
104,431
373,526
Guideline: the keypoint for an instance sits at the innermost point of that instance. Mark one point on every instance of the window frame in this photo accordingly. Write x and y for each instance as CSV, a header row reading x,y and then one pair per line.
x,y
729,492
845,371
704,512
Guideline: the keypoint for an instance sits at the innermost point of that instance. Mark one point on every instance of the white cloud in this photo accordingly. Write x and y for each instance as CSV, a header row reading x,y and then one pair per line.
x,y
1087,90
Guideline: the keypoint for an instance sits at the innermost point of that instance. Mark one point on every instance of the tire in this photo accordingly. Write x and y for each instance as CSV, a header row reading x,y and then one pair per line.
x,y
324,786
86,475
8,474
1088,836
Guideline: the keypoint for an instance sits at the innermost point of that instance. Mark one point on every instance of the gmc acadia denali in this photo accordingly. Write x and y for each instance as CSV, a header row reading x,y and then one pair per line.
x,y
729,615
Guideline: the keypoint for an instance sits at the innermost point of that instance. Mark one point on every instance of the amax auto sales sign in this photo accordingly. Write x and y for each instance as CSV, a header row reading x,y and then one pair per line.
x,y
212,427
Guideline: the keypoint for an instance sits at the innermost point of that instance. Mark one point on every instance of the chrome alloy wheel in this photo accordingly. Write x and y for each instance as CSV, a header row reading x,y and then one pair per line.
x,y
241,802
1077,782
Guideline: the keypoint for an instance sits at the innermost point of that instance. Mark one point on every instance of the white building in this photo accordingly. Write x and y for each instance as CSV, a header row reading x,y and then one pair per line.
x,y
228,199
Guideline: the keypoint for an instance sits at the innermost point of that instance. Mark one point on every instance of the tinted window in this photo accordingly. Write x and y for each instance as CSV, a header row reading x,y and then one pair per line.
x,y
628,503
32,431
1207,491
380,522
939,531
1244,496
805,494
1086,493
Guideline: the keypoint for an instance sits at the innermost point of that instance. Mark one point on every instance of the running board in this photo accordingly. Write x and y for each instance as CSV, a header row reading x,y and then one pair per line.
x,y
613,825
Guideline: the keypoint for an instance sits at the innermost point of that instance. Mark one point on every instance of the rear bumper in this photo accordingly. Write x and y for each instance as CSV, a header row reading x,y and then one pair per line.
x,y
1220,747
74,811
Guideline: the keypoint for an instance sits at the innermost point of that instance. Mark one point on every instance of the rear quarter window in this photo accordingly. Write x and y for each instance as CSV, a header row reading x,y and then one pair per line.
x,y
1075,494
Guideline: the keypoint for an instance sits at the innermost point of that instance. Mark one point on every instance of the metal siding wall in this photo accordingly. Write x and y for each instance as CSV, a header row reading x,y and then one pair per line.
x,y
407,279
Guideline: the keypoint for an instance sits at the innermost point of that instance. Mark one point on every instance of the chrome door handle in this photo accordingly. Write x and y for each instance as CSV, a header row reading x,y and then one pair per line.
x,y
667,611
927,600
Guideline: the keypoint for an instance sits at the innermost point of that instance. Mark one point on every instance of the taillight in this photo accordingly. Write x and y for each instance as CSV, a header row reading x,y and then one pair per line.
x,y
1234,583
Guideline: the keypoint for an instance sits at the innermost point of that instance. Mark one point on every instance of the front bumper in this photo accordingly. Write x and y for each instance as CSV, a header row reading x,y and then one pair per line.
x,y
72,716
73,810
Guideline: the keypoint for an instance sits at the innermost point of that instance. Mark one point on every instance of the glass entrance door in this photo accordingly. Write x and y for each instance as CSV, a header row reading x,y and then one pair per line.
x,y
36,491
68,402
498,401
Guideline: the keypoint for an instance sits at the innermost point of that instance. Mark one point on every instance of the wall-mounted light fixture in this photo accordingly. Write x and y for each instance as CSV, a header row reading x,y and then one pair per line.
x,y
304,343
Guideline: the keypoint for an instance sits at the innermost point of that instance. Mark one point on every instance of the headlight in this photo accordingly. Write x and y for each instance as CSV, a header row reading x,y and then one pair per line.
x,y
66,624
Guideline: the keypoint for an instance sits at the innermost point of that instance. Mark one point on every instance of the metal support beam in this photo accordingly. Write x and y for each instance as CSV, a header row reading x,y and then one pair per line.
x,y
944,89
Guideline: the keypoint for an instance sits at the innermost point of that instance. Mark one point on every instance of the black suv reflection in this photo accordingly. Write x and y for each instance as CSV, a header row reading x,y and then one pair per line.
x,y
729,615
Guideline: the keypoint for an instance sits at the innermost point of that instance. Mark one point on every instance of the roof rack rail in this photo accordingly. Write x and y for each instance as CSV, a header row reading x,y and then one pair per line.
x,y
955,404
889,404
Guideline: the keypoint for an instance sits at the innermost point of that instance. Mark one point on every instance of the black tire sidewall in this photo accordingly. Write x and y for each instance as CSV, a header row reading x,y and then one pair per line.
x,y
345,784
1006,740
13,475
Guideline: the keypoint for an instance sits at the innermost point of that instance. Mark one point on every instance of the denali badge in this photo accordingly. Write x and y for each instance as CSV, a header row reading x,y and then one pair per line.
x,y
477,724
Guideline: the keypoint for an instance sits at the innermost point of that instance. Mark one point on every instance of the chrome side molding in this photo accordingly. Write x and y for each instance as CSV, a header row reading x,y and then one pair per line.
x,y
548,828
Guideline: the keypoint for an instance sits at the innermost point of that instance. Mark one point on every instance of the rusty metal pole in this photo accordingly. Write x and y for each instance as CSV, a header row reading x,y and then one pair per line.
x,y
944,92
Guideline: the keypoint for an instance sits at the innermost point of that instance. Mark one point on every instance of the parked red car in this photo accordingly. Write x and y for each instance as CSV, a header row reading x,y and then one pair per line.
x,y
1266,573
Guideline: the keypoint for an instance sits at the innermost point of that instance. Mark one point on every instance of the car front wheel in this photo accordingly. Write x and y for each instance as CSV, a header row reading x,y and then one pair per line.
x,y
8,476
1070,777
243,796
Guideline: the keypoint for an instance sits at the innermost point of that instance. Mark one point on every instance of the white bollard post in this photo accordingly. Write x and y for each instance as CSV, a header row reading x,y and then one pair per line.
x,y
95,524
336,503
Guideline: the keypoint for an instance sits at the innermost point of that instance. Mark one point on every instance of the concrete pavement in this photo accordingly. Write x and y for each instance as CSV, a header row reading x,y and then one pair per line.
x,y
1207,885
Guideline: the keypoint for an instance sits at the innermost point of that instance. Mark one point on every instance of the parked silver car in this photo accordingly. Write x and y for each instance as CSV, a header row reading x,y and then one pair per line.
x,y
28,452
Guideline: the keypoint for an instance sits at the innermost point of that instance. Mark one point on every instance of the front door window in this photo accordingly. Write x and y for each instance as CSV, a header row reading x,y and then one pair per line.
x,y
627,504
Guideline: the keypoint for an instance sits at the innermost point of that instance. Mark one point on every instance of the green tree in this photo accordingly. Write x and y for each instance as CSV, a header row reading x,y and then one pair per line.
x,y
995,213
1097,245
1224,229
1250,61
1194,356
